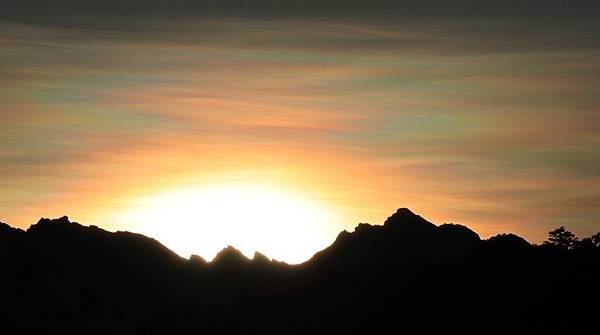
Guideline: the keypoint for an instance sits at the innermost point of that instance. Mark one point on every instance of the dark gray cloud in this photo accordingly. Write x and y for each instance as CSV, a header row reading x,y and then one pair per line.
x,y
479,108
77,12
517,25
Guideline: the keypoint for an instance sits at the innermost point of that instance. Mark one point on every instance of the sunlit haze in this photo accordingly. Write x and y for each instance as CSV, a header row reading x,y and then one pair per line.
x,y
273,132
202,220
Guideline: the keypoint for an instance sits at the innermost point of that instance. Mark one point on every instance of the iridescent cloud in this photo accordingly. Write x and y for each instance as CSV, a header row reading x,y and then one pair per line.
x,y
488,123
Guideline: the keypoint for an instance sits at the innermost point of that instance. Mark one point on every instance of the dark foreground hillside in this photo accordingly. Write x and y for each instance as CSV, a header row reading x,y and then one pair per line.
x,y
406,276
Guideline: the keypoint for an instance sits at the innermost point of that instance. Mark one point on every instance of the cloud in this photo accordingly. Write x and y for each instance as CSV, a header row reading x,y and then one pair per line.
x,y
470,120
42,10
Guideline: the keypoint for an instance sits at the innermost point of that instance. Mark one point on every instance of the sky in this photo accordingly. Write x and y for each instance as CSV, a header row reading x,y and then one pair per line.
x,y
137,115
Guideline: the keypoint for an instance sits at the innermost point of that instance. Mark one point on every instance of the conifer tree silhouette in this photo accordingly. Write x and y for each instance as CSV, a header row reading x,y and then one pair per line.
x,y
562,238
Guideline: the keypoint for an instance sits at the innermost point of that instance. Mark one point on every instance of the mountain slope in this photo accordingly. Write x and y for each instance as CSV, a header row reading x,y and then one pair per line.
x,y
403,237
407,275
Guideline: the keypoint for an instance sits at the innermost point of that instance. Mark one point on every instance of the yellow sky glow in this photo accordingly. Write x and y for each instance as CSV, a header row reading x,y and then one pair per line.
x,y
325,124
202,220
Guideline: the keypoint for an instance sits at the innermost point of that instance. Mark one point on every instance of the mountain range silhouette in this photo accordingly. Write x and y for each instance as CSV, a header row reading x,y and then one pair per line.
x,y
405,276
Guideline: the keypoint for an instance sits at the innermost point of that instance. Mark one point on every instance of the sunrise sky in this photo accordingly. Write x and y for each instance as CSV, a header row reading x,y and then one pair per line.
x,y
303,118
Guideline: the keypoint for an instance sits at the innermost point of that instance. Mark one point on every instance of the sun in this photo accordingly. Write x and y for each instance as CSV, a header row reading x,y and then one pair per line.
x,y
280,223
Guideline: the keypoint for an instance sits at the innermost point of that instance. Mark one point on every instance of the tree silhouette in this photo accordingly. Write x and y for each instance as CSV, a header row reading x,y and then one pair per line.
x,y
562,238
592,242
596,240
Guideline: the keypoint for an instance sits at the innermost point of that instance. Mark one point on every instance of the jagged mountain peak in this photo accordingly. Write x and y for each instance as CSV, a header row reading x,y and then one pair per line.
x,y
63,219
4,227
198,260
260,258
405,217
230,256
45,224
404,236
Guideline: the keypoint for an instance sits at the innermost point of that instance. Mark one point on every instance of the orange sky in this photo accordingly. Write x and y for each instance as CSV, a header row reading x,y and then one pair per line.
x,y
459,124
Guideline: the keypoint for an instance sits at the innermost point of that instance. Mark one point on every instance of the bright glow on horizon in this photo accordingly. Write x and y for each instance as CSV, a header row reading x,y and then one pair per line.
x,y
204,220
451,119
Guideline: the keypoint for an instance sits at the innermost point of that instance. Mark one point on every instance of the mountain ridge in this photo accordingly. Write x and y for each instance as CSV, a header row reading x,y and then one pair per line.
x,y
403,221
63,277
